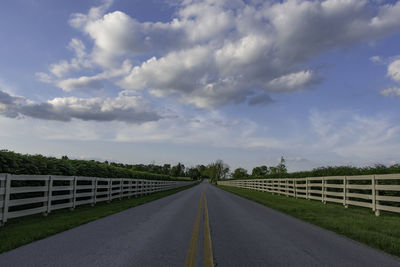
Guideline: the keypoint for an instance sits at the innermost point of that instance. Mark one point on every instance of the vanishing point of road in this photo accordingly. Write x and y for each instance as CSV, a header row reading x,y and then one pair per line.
x,y
201,226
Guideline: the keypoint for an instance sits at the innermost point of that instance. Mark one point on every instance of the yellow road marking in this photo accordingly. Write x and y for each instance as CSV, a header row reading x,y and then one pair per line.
x,y
207,249
191,254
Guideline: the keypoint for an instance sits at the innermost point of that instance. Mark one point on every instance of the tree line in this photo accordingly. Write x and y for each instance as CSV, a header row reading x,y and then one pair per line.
x,y
16,163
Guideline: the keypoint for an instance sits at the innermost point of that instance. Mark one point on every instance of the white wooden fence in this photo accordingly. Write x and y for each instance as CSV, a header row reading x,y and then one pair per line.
x,y
378,192
22,195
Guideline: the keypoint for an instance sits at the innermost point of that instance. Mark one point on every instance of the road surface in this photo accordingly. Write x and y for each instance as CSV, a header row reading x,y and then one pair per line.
x,y
201,226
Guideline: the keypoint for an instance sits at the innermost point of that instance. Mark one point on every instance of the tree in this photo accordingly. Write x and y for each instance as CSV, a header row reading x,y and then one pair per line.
x,y
217,170
193,173
178,170
240,173
281,167
259,171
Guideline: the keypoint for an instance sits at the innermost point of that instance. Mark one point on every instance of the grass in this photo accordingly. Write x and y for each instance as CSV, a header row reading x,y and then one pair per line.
x,y
359,224
24,230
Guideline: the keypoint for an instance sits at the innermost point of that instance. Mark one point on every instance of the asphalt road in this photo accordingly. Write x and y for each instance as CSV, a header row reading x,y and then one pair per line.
x,y
170,232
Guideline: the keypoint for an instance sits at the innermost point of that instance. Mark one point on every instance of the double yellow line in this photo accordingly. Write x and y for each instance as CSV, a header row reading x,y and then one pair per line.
x,y
207,248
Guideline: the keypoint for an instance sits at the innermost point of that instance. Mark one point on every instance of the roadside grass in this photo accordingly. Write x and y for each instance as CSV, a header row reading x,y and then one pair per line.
x,y
24,230
357,223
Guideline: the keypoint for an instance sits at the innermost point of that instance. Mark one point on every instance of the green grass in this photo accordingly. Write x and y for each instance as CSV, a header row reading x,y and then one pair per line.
x,y
356,223
24,230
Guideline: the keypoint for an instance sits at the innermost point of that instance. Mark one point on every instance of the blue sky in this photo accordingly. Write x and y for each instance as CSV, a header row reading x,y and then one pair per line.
x,y
317,82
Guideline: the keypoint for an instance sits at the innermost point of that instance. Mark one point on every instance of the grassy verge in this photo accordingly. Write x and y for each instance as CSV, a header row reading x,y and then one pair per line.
x,y
356,223
24,230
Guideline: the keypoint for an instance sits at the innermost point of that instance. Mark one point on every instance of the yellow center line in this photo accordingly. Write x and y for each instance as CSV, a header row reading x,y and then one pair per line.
x,y
207,249
191,254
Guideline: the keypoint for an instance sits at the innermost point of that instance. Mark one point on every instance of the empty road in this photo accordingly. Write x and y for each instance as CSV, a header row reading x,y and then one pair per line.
x,y
201,226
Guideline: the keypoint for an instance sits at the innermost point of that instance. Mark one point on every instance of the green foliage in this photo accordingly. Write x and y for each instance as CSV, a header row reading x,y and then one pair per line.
x,y
259,171
216,170
240,173
16,163
178,170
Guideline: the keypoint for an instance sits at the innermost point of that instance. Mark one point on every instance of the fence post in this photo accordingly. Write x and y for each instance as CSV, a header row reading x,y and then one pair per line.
x,y
6,197
374,194
49,194
75,183
307,193
130,189
323,190
287,187
345,191
109,190
94,186
120,188
295,188
46,194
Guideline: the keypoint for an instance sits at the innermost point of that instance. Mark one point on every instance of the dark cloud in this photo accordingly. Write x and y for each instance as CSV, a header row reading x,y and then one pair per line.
x,y
263,99
123,108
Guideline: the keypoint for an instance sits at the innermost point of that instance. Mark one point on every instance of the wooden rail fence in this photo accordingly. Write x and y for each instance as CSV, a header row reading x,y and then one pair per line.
x,y
22,195
378,192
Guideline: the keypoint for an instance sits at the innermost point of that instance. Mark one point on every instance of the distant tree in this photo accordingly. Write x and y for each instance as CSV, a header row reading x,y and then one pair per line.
x,y
281,168
166,169
193,173
240,173
217,170
178,170
259,171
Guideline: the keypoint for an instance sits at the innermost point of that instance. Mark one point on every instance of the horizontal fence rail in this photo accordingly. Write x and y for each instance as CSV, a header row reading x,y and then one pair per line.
x,y
377,192
22,195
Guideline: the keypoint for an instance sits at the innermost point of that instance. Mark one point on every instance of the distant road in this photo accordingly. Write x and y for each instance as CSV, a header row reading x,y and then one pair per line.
x,y
170,231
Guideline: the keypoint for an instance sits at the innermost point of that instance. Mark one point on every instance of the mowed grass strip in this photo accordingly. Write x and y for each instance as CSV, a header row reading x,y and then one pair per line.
x,y
359,224
24,230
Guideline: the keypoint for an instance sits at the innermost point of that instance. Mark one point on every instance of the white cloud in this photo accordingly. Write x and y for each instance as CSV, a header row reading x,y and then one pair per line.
x,y
82,82
81,60
393,91
376,59
394,70
293,81
263,48
217,52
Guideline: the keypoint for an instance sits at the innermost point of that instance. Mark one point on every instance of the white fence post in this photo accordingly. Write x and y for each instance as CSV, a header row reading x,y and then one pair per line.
x,y
94,187
109,190
323,190
75,183
6,196
49,194
345,191
121,188
307,193
295,187
375,193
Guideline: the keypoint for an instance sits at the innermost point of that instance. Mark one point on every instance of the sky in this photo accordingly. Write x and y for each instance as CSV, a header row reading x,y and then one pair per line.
x,y
191,81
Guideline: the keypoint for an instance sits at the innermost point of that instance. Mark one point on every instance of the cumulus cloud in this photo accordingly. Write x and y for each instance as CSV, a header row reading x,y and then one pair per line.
x,y
263,47
80,60
215,52
394,70
130,109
